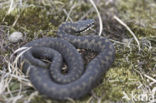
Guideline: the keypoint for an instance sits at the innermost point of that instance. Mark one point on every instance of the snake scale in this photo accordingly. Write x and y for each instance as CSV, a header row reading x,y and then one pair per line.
x,y
79,80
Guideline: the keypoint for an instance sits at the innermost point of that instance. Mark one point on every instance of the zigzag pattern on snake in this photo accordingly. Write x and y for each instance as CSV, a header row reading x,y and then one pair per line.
x,y
79,80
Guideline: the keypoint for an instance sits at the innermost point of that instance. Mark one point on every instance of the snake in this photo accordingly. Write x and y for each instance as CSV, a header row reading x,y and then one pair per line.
x,y
79,79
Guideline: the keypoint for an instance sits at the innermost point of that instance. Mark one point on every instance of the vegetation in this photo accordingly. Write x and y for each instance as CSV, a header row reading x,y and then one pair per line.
x,y
133,72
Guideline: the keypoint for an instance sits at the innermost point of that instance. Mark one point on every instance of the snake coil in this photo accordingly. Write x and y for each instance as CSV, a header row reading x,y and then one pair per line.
x,y
79,80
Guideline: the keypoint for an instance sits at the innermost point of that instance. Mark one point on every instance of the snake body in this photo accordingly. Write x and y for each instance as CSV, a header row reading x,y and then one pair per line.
x,y
79,80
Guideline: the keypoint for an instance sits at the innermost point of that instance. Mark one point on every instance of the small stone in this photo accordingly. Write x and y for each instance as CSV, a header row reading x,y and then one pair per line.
x,y
15,37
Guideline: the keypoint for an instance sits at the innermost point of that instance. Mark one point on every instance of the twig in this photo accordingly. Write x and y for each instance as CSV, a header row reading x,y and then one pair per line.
x,y
71,9
89,100
68,15
18,16
32,96
131,32
118,42
11,8
154,80
71,100
99,16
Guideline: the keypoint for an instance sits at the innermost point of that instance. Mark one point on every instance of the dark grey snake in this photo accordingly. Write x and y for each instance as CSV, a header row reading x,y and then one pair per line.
x,y
78,81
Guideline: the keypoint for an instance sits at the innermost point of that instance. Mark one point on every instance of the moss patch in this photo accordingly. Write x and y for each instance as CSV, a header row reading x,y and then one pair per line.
x,y
42,18
140,15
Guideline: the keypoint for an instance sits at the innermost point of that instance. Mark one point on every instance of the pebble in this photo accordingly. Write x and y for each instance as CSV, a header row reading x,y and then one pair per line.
x,y
15,37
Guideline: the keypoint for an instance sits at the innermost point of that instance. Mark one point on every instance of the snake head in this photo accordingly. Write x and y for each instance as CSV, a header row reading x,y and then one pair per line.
x,y
83,25
76,27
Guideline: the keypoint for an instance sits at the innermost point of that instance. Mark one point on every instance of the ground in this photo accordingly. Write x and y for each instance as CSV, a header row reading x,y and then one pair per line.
x,y
132,75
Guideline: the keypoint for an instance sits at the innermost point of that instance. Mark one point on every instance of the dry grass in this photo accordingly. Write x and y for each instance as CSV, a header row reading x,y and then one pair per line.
x,y
132,72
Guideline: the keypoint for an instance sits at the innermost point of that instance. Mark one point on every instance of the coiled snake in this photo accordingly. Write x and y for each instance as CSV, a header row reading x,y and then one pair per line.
x,y
79,80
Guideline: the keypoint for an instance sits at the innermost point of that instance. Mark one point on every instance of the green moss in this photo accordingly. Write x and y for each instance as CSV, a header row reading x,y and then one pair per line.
x,y
43,18
139,14
2,12
117,81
